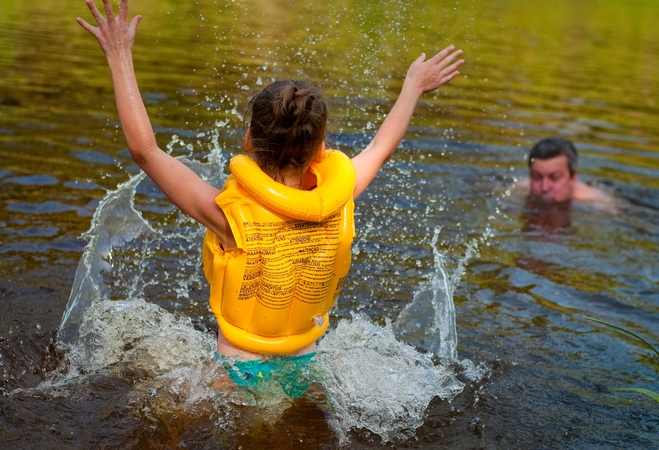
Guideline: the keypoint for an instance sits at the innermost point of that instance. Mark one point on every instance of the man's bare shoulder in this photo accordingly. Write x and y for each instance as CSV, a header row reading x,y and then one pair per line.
x,y
582,192
588,193
598,197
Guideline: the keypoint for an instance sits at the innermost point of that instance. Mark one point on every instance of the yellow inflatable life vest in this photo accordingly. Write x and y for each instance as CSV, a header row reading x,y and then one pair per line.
x,y
273,292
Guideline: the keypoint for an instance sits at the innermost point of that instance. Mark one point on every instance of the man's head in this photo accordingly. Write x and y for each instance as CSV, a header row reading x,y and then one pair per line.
x,y
553,169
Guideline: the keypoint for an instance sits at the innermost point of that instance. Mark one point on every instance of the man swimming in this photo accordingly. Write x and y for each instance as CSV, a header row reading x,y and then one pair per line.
x,y
554,177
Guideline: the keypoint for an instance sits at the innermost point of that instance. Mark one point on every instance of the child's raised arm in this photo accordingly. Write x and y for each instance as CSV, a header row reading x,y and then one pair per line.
x,y
183,187
422,76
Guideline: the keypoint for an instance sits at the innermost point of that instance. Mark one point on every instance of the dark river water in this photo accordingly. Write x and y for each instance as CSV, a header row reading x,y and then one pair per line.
x,y
443,236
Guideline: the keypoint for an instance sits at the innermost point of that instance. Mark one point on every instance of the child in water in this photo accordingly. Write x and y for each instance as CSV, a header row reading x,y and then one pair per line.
x,y
277,246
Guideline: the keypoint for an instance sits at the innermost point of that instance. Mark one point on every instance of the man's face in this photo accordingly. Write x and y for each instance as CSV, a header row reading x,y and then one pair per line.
x,y
550,179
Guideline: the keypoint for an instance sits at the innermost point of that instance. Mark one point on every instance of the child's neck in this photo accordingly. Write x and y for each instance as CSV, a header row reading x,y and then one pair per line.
x,y
305,181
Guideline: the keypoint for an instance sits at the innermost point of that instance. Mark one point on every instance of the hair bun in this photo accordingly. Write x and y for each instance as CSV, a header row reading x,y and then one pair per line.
x,y
288,120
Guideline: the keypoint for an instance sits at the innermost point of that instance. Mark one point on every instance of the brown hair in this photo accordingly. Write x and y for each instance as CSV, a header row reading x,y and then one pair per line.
x,y
287,121
553,147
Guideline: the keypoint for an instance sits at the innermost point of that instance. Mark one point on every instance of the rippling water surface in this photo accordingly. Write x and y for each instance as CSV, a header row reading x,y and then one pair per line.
x,y
529,371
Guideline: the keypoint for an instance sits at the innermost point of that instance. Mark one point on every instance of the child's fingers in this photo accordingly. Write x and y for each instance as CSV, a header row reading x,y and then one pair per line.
x,y
449,77
453,67
95,12
442,54
91,29
109,12
94,31
134,22
123,10
446,74
449,58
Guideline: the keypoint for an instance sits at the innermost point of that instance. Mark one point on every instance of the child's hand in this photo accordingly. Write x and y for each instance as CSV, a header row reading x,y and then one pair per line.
x,y
113,34
431,74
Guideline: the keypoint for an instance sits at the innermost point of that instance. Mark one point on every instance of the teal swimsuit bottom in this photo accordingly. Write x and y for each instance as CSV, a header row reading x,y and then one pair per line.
x,y
291,372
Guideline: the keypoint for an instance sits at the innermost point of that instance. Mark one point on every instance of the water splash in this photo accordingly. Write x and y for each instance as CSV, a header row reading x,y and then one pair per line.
x,y
375,376
428,322
115,224
134,333
379,383
118,260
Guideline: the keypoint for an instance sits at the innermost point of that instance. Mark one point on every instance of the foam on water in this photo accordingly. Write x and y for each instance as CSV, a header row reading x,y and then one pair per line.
x,y
370,379
379,383
137,334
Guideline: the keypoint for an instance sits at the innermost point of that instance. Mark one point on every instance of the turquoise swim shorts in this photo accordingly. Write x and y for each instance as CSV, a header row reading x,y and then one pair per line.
x,y
291,372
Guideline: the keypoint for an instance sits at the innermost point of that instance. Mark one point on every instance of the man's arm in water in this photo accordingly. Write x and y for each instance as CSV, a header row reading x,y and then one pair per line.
x,y
423,76
178,182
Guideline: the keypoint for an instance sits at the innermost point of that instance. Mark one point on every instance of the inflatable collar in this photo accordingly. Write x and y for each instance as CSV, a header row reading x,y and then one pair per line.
x,y
273,292
336,184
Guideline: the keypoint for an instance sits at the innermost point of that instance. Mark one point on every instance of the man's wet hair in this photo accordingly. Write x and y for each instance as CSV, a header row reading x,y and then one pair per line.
x,y
551,148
